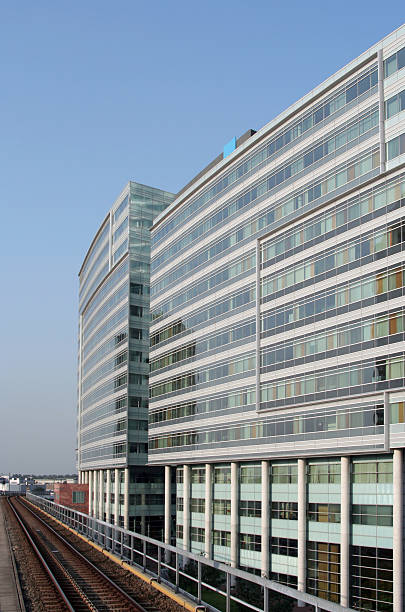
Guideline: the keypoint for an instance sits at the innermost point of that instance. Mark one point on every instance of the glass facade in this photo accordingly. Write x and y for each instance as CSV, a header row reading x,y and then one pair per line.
x,y
113,360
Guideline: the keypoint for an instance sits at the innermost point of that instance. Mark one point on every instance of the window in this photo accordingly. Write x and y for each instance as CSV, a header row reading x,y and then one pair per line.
x,y
78,497
179,532
221,506
222,475
180,475
197,505
250,474
250,542
221,538
198,475
284,546
284,510
323,574
197,534
372,515
323,473
284,474
372,472
324,513
250,508
372,578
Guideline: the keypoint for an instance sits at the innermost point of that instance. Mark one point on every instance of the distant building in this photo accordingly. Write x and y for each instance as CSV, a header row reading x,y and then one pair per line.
x,y
114,366
74,496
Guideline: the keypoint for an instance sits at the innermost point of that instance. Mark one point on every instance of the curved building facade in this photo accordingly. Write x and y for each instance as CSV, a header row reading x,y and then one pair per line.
x,y
277,356
113,364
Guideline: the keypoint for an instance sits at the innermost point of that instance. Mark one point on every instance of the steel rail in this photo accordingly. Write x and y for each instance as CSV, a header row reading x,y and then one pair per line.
x,y
138,607
41,559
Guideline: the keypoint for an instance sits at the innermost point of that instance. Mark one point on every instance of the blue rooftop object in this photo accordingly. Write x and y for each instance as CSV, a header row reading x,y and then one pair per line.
x,y
229,147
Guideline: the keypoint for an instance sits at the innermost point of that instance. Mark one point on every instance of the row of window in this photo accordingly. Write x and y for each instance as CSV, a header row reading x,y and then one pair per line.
x,y
190,379
395,104
333,180
323,472
116,428
369,246
94,250
120,229
107,388
210,343
335,220
109,284
118,253
285,136
89,280
204,314
115,450
396,147
120,208
115,406
95,281
365,330
320,423
112,364
105,328
349,292
343,377
107,347
232,399
333,143
222,275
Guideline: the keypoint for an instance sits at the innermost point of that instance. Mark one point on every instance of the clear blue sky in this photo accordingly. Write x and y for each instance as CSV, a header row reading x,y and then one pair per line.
x,y
95,93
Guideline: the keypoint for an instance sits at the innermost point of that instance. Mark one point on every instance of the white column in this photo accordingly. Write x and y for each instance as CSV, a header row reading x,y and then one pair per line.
x,y
126,498
265,519
234,514
101,496
116,496
86,477
398,530
96,487
90,476
302,526
186,508
108,496
168,504
345,532
208,510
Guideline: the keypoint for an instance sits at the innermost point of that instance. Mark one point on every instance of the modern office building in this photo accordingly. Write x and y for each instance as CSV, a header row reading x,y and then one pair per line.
x,y
113,366
277,386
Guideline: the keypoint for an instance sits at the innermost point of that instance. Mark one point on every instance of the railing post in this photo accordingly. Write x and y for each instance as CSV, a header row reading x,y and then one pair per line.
x,y
177,571
159,562
266,600
132,549
228,592
199,581
144,554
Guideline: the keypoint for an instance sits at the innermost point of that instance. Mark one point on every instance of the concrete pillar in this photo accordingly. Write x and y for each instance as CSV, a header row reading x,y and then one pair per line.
x,y
302,526
101,495
208,510
116,497
186,509
398,530
126,498
90,473
96,488
108,496
345,523
265,519
234,514
168,504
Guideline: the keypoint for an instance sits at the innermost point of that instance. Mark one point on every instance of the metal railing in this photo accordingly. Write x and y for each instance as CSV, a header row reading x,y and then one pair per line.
x,y
183,571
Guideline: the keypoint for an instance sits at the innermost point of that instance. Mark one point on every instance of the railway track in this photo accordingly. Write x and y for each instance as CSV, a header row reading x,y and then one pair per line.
x,y
65,578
